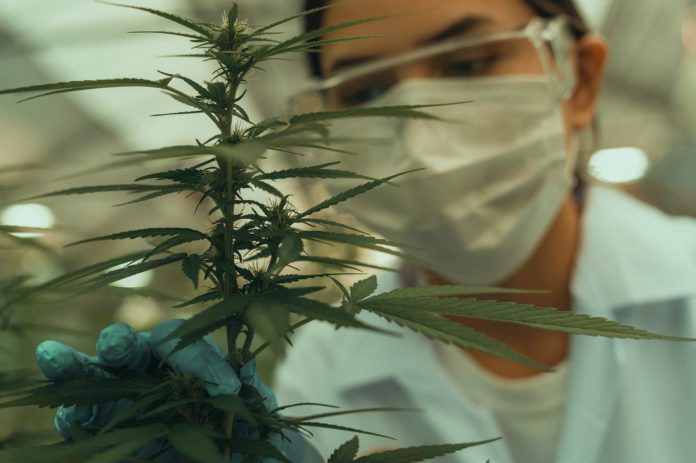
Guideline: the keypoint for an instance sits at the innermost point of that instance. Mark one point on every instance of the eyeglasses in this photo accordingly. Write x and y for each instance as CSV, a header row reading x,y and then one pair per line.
x,y
540,46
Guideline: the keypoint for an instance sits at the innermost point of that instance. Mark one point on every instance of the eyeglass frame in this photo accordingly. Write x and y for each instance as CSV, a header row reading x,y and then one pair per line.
x,y
539,31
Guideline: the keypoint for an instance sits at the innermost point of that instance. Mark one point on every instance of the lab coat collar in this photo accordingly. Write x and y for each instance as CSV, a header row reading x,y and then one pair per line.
x,y
631,254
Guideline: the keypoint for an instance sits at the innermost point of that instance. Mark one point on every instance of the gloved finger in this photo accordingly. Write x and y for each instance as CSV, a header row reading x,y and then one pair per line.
x,y
59,362
248,376
120,346
65,416
199,359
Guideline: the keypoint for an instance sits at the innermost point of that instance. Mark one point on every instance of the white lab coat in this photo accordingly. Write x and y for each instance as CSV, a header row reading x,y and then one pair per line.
x,y
628,401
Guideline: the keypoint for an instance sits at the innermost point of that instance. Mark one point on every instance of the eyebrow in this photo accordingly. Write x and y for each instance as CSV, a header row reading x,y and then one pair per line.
x,y
463,27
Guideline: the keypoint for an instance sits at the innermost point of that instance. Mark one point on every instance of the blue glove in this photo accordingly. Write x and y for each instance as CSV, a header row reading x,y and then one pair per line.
x,y
120,346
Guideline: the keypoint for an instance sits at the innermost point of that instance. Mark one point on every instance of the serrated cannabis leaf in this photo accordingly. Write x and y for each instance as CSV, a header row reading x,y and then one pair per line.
x,y
363,289
437,327
84,449
82,391
523,314
346,453
350,193
443,291
413,454
144,233
74,86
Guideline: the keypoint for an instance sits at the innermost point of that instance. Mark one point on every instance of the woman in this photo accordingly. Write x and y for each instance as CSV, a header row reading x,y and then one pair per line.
x,y
526,227
497,205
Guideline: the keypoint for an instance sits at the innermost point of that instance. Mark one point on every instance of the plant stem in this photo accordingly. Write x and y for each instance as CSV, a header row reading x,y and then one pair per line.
x,y
230,281
247,344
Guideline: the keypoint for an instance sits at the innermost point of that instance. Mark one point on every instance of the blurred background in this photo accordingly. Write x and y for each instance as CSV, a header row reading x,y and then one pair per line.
x,y
647,145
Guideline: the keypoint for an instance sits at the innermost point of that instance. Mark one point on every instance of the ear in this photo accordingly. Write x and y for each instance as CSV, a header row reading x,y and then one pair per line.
x,y
590,59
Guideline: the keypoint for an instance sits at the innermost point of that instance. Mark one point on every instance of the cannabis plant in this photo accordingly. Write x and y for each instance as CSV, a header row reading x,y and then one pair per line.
x,y
248,270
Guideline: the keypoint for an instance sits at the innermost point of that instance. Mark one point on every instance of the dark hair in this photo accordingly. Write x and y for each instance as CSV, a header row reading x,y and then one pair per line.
x,y
543,8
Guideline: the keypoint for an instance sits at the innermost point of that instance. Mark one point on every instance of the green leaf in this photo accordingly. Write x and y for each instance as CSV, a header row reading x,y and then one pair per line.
x,y
400,111
345,263
343,290
183,238
209,320
362,241
437,327
133,409
170,151
303,419
266,52
194,443
289,251
267,188
191,266
346,453
201,90
188,176
339,198
271,321
199,28
233,404
316,424
117,275
83,391
84,449
75,86
246,151
165,190
17,380
143,233
273,25
304,404
443,291
331,223
211,295
316,171
522,314
71,277
363,289
285,279
180,34
161,411
424,452
321,311
99,189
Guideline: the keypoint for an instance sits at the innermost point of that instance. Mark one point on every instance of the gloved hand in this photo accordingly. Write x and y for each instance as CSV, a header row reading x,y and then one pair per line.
x,y
120,346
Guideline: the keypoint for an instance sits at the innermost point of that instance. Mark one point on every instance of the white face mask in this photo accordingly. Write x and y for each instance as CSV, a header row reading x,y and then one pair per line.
x,y
495,177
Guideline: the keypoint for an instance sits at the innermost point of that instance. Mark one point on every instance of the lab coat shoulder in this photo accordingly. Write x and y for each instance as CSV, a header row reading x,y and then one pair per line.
x,y
632,400
632,254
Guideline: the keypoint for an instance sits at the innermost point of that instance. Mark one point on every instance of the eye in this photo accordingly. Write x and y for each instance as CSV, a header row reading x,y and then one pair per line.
x,y
360,93
468,67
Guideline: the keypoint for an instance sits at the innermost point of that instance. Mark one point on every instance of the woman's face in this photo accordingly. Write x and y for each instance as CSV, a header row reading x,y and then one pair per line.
x,y
424,22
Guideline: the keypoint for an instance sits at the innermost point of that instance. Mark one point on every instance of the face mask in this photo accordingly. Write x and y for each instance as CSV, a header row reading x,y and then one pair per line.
x,y
496,173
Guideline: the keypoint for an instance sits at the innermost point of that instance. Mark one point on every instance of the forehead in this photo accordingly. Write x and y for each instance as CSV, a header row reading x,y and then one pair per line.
x,y
417,21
